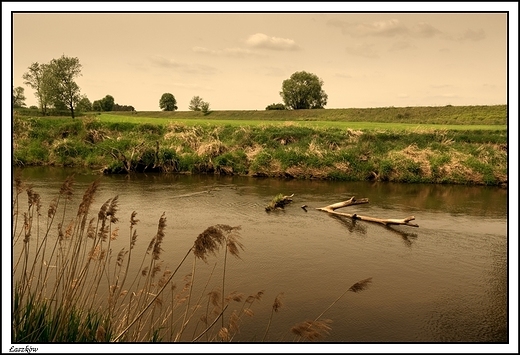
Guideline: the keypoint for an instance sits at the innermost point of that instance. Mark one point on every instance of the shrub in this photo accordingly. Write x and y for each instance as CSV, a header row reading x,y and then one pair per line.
x,y
278,106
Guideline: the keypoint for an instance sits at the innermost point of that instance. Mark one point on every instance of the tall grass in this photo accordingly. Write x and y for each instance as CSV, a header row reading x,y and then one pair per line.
x,y
320,150
72,284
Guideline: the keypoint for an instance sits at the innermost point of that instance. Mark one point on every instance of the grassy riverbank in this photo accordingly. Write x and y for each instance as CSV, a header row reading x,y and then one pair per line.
x,y
460,145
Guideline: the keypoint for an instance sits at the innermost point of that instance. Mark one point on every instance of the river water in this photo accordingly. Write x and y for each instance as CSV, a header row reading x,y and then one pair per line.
x,y
445,281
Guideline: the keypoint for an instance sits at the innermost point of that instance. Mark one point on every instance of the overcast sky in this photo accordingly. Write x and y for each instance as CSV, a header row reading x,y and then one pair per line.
x,y
238,61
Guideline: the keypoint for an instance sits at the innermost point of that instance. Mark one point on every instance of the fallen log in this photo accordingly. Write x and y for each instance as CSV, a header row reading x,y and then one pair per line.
x,y
353,201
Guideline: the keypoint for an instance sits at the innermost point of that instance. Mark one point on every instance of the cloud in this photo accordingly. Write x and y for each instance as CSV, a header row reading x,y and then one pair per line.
x,y
441,86
387,28
229,52
190,86
424,30
400,46
162,62
363,50
343,75
260,40
471,35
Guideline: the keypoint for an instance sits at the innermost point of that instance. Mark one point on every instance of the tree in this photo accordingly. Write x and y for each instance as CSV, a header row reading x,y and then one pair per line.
x,y
18,97
97,106
84,104
107,103
168,102
303,91
204,107
118,107
196,103
64,90
104,104
38,78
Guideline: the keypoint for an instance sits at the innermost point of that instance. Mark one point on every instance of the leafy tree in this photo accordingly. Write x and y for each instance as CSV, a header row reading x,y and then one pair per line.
x,y
64,90
118,107
276,107
84,104
303,91
97,106
18,97
168,102
104,104
107,103
196,103
204,107
38,78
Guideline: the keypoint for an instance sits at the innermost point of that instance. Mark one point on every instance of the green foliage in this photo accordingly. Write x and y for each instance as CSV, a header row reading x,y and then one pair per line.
x,y
168,102
18,97
38,77
151,129
54,84
204,107
276,107
105,104
335,150
262,161
64,91
195,103
231,162
303,91
84,104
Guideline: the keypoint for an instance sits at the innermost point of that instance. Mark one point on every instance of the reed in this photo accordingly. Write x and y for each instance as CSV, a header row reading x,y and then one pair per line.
x,y
72,283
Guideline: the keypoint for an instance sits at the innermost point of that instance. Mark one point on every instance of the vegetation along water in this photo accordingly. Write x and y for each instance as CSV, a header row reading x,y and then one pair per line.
x,y
437,145
448,144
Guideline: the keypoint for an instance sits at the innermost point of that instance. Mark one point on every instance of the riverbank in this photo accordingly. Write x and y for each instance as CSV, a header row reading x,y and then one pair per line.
x,y
309,147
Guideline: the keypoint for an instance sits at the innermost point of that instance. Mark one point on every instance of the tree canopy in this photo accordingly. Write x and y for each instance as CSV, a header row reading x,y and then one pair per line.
x,y
105,104
64,90
303,91
37,77
54,83
18,97
168,102
196,103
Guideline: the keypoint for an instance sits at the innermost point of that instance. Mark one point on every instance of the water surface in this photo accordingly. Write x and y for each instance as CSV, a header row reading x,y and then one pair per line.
x,y
445,281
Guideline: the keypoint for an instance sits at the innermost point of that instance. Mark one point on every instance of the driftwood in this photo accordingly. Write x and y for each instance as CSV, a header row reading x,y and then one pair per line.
x,y
353,201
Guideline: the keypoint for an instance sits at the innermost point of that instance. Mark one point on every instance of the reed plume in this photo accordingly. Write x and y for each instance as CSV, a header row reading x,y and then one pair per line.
x,y
312,330
313,326
277,304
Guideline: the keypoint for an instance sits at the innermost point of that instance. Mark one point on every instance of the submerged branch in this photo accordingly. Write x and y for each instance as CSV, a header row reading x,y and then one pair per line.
x,y
353,201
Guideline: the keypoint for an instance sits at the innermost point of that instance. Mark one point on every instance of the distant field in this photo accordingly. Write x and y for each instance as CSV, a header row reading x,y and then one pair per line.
x,y
451,115
312,124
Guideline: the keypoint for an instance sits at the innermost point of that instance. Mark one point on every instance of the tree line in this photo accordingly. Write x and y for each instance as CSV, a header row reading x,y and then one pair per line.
x,y
56,90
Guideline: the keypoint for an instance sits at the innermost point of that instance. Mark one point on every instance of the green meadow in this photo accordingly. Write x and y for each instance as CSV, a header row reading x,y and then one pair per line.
x,y
449,144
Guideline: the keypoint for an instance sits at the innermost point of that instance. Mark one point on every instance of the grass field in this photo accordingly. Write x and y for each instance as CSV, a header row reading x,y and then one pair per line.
x,y
462,115
313,124
461,145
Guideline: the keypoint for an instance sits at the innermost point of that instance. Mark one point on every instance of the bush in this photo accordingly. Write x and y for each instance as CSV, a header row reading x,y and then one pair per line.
x,y
276,107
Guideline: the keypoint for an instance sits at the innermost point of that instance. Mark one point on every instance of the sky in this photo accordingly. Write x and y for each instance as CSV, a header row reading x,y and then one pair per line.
x,y
239,60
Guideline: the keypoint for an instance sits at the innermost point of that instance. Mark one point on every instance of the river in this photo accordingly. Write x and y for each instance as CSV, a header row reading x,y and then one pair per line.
x,y
445,281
